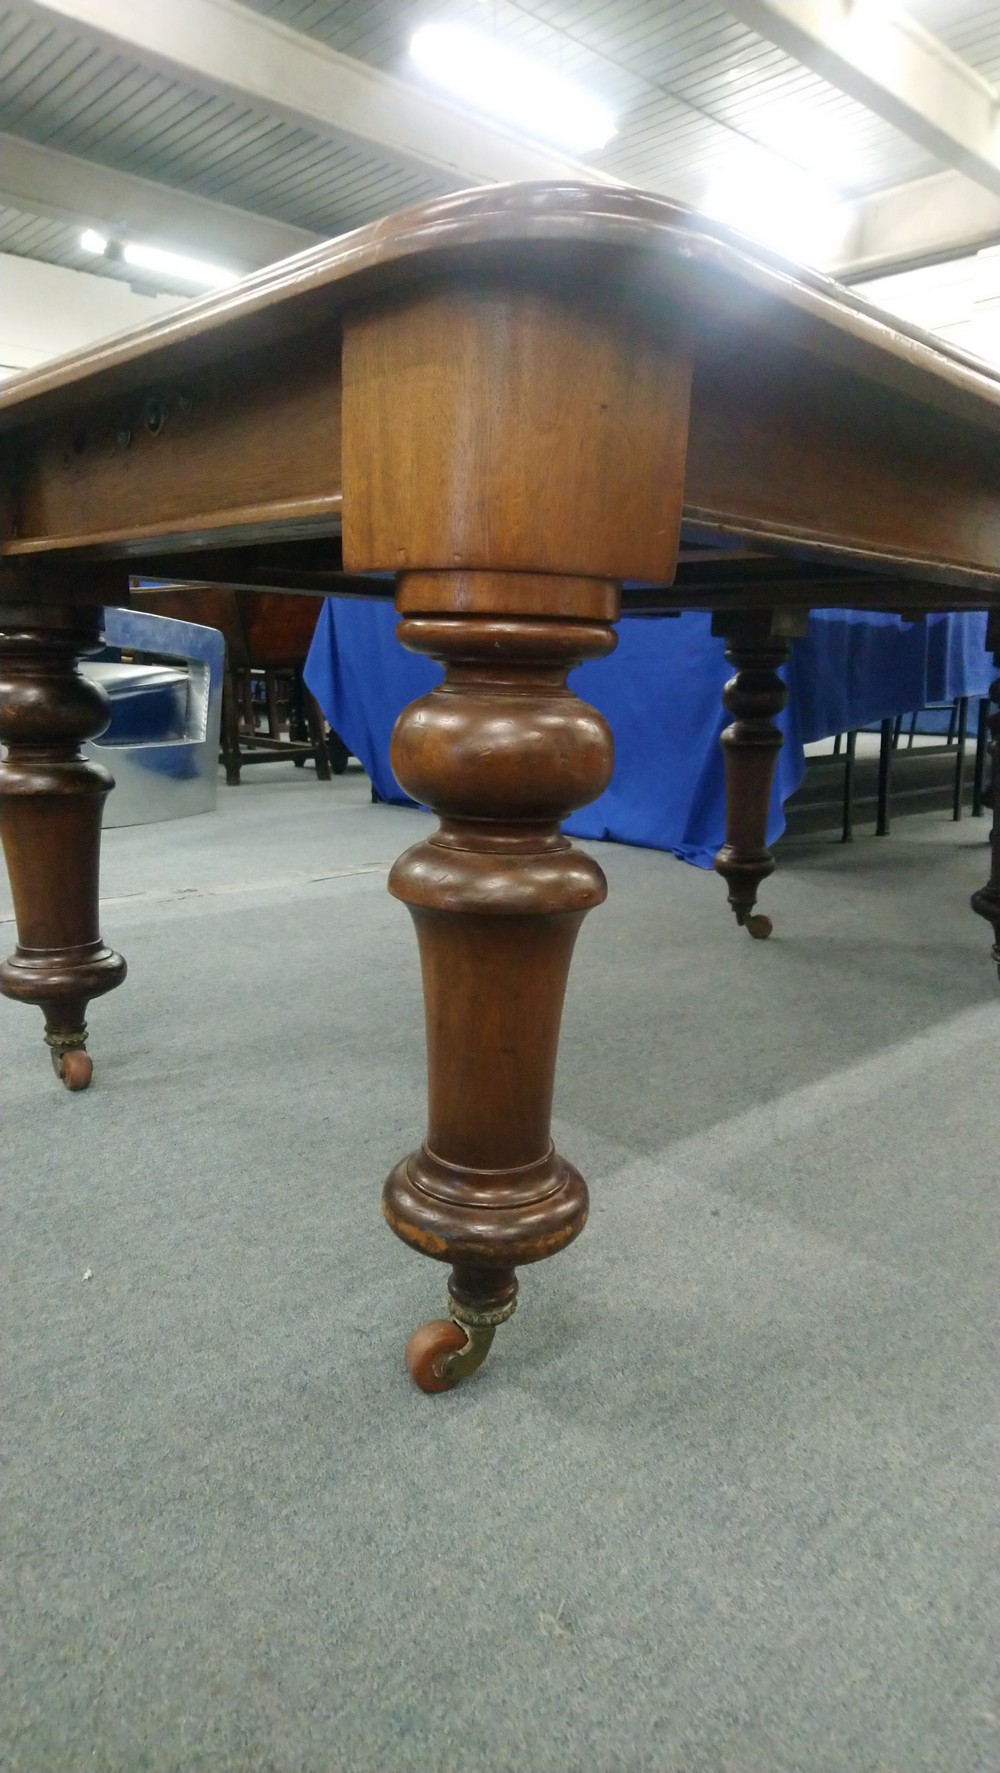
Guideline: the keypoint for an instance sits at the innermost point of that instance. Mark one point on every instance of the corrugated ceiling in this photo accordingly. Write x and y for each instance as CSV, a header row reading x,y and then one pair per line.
x,y
689,84
32,237
969,27
692,89
60,92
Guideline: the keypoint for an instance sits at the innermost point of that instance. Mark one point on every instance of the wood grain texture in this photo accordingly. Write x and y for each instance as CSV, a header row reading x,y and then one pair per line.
x,y
644,246
51,804
261,628
785,448
254,442
502,750
513,429
758,643
798,384
146,548
264,631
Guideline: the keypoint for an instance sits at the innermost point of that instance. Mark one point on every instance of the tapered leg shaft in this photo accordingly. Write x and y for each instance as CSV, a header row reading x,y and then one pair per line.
x,y
51,803
987,900
758,642
502,751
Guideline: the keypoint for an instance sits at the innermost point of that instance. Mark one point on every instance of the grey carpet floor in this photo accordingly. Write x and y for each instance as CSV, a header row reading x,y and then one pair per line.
x,y
722,1499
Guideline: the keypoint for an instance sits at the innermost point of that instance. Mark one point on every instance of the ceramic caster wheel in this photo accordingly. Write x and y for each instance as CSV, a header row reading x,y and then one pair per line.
x,y
427,1349
759,927
76,1068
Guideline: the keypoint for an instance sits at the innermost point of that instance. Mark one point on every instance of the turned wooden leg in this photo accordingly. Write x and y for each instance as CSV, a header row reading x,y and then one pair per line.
x,y
317,736
758,641
505,450
272,711
231,725
987,900
502,751
51,803
298,727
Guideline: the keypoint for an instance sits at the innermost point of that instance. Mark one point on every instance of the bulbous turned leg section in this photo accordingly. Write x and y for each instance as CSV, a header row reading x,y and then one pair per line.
x,y
758,642
502,750
987,901
51,803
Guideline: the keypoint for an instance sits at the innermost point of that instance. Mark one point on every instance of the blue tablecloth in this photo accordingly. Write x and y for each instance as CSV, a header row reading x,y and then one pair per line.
x,y
661,692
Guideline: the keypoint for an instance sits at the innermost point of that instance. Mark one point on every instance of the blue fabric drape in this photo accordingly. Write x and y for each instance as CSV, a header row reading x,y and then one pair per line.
x,y
661,691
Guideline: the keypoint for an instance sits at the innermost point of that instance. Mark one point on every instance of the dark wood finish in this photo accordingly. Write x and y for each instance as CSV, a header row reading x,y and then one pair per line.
x,y
987,900
521,364
757,644
530,390
231,725
51,802
784,446
294,730
885,750
255,441
822,366
267,633
502,751
850,758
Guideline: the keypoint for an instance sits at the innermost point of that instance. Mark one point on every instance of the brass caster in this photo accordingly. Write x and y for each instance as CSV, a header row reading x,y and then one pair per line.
x,y
74,1066
71,1061
442,1353
758,926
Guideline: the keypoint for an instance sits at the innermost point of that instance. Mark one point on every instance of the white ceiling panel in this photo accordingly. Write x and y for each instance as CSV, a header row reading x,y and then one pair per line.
x,y
58,243
970,27
693,90
687,82
59,92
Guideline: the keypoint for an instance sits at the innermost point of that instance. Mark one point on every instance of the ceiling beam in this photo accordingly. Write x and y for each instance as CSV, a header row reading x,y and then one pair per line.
x,y
221,47
930,218
944,216
218,45
892,65
41,181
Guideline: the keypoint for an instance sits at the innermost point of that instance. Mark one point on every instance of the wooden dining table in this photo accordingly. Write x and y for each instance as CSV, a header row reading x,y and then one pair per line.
x,y
499,406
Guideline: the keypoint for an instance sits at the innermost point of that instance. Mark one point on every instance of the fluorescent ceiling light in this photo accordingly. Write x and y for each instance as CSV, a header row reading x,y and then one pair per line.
x,y
781,207
176,264
153,258
490,77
